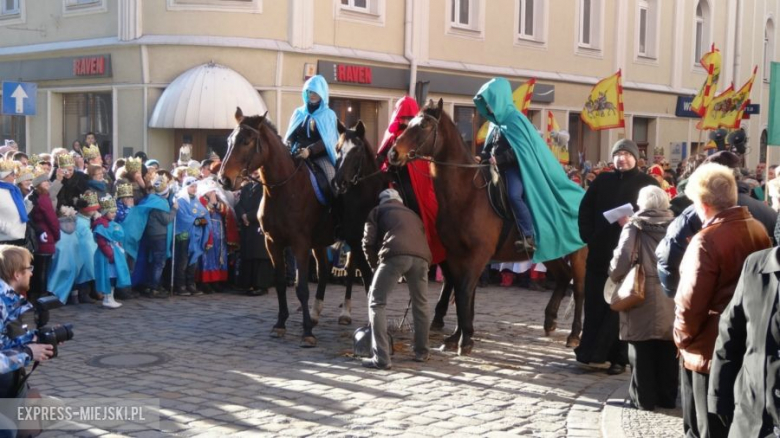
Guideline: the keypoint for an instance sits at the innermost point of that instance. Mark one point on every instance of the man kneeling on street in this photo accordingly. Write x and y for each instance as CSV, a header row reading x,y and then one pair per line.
x,y
395,240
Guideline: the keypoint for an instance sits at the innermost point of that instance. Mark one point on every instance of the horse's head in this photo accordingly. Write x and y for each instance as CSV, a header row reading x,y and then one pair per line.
x,y
245,152
354,152
420,136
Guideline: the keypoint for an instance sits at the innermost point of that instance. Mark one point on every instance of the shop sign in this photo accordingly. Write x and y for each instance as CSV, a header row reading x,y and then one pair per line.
x,y
684,107
357,74
89,66
363,75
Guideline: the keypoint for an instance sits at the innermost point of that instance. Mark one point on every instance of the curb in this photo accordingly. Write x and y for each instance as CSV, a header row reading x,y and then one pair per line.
x,y
612,415
584,419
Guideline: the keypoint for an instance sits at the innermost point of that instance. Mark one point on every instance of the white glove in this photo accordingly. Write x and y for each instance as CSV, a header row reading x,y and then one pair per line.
x,y
44,237
304,153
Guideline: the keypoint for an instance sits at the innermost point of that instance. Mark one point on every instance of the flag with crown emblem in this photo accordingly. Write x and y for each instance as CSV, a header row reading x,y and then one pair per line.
x,y
522,99
604,107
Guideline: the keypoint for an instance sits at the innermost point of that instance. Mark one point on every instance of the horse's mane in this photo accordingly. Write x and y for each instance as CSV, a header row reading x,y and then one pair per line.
x,y
432,109
258,121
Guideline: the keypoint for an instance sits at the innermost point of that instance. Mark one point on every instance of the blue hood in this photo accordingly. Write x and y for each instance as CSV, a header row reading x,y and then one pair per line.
x,y
324,117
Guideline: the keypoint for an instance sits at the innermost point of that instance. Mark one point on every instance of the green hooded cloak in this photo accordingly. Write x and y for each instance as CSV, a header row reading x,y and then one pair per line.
x,y
553,199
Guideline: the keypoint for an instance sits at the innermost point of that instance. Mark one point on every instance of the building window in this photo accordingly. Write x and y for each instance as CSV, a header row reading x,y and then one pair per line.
x,y
769,48
81,7
350,111
371,11
10,7
468,121
13,127
465,15
253,6
590,24
530,20
647,28
88,112
702,29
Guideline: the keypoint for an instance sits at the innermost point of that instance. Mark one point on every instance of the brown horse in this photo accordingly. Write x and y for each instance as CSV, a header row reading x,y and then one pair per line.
x,y
469,228
289,214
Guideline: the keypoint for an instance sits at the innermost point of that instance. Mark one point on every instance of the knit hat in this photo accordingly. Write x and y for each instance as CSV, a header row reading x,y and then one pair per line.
x,y
389,195
24,173
626,145
40,175
188,181
150,163
724,158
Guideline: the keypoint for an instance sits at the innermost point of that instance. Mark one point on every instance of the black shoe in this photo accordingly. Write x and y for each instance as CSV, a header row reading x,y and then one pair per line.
x,y
123,294
616,369
84,297
194,291
371,363
155,293
182,292
257,292
206,288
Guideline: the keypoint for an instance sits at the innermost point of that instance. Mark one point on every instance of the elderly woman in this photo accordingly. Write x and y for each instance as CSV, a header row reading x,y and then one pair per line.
x,y
648,326
709,272
773,187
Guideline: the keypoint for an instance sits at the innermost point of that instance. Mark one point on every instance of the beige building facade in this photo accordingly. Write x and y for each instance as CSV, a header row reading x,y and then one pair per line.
x,y
105,66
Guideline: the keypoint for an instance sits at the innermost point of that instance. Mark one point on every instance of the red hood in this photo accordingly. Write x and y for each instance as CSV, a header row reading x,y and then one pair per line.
x,y
406,107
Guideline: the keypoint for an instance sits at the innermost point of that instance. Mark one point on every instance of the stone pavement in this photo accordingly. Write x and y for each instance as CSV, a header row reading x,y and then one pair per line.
x,y
223,375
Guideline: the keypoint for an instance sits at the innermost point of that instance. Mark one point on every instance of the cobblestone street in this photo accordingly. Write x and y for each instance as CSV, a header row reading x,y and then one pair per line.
x,y
223,375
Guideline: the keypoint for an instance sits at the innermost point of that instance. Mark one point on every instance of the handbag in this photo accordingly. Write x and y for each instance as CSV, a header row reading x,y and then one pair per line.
x,y
629,292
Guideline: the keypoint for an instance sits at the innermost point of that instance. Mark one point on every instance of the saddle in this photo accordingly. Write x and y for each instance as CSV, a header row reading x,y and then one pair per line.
x,y
497,193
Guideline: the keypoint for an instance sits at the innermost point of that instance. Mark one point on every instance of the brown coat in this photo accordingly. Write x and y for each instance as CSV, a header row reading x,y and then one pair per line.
x,y
709,273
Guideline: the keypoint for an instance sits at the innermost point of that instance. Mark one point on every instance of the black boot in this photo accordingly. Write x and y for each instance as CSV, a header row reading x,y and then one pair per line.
x,y
84,297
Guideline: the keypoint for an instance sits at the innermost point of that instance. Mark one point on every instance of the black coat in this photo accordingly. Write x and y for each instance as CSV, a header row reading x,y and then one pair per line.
x,y
609,190
745,374
252,239
72,188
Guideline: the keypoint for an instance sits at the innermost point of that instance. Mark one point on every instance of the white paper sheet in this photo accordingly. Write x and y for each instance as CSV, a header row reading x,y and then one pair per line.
x,y
616,213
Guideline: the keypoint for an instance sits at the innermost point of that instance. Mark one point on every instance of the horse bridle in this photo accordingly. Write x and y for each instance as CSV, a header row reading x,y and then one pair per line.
x,y
357,179
246,172
413,153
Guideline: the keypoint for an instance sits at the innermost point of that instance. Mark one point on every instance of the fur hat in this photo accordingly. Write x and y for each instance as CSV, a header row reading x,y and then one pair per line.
x,y
626,145
23,173
124,190
107,204
7,167
40,175
389,195
90,152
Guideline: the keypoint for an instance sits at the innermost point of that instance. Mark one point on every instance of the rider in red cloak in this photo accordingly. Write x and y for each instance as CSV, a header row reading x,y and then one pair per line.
x,y
413,180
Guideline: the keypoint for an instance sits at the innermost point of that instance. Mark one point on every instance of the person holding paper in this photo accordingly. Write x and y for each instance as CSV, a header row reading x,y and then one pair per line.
x,y
610,190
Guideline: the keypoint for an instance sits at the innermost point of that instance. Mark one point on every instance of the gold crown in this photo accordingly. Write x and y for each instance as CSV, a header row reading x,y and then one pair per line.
x,y
108,204
24,173
7,166
90,152
160,183
124,190
133,164
65,160
193,172
34,159
91,198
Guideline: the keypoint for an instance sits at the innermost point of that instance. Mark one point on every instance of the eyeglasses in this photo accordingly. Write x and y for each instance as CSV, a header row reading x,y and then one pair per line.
x,y
29,268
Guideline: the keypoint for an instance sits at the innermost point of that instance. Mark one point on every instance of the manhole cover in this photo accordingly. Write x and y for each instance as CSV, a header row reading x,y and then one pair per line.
x,y
128,360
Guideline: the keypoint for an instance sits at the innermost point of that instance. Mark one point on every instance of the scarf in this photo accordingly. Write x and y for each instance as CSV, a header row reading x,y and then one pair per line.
x,y
98,186
16,195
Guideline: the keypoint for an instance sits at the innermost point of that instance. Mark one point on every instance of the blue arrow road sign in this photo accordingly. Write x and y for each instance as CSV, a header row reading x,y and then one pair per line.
x,y
19,98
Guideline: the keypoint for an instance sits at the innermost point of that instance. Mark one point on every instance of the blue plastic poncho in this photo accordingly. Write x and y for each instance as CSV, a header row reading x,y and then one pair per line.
x,y
189,210
115,235
553,199
324,117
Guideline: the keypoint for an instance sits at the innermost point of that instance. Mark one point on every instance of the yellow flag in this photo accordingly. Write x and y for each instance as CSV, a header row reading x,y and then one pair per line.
x,y
482,133
717,109
733,110
711,62
522,96
561,152
604,107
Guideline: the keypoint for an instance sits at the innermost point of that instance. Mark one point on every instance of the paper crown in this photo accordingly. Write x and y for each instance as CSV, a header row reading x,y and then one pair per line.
x,y
133,164
185,154
39,175
108,204
23,173
7,166
34,159
193,172
90,152
65,160
124,190
160,184
91,199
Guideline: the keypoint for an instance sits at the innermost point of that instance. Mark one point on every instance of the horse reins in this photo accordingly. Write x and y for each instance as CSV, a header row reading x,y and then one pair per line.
x,y
247,174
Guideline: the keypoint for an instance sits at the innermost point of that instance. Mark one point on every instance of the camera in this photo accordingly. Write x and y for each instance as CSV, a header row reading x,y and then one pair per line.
x,y
50,335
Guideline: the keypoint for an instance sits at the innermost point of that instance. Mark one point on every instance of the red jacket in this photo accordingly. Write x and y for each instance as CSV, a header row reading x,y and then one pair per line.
x,y
46,224
102,243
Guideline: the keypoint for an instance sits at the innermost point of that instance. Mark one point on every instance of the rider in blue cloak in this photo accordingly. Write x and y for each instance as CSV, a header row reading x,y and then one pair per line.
x,y
313,132
545,202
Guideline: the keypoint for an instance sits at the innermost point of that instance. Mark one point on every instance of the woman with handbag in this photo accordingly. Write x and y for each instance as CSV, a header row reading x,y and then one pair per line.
x,y
645,319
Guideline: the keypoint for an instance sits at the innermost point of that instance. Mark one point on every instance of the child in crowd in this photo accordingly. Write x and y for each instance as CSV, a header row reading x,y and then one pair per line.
x,y
110,265
192,235
47,231
125,200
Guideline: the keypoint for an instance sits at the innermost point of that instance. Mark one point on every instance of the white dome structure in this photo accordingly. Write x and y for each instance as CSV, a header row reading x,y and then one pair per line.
x,y
206,97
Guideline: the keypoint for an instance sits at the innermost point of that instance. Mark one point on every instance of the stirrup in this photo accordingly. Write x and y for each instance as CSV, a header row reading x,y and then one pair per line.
x,y
526,245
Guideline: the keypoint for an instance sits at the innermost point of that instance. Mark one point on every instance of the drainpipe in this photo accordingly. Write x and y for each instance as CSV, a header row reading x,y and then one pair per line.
x,y
737,42
408,52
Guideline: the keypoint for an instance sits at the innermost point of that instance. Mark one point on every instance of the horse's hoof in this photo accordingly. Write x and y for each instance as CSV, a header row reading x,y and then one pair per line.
x,y
278,332
308,342
550,327
345,320
465,350
437,324
572,342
